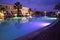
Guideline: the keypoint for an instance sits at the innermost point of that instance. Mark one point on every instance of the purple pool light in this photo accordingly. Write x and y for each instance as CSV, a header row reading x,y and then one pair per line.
x,y
40,24
45,24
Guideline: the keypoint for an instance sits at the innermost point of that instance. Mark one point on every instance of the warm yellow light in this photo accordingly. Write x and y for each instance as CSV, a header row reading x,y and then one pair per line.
x,y
28,14
15,15
1,15
1,20
24,18
45,13
57,14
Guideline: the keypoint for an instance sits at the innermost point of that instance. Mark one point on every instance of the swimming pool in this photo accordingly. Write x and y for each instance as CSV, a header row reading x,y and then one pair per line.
x,y
15,27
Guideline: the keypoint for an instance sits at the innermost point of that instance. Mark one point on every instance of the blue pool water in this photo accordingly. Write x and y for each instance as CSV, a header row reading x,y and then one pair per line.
x,y
12,28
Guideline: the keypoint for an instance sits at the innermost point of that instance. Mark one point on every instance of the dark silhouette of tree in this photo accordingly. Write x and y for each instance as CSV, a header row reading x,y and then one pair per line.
x,y
57,6
29,10
37,13
18,6
0,6
2,9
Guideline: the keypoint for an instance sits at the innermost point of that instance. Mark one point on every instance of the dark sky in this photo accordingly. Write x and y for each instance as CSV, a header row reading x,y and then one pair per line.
x,y
40,5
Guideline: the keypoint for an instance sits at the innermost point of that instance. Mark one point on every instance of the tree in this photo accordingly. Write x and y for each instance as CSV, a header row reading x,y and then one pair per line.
x,y
18,6
57,6
2,9
30,11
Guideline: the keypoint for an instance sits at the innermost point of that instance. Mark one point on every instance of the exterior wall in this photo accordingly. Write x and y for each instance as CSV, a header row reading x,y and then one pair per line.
x,y
24,10
10,8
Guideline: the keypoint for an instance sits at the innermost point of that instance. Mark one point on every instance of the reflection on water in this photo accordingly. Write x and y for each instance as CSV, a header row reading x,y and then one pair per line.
x,y
19,20
1,20
24,20
14,21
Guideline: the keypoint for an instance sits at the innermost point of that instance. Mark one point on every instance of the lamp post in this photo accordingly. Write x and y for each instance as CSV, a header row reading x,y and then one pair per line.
x,y
45,13
57,14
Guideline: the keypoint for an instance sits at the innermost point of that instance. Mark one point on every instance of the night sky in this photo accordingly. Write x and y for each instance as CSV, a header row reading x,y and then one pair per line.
x,y
40,5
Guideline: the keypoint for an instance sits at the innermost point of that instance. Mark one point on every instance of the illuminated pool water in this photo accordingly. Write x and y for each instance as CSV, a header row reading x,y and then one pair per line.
x,y
12,28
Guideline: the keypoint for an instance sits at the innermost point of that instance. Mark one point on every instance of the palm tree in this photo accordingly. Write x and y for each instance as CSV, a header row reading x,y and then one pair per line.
x,y
57,6
18,6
